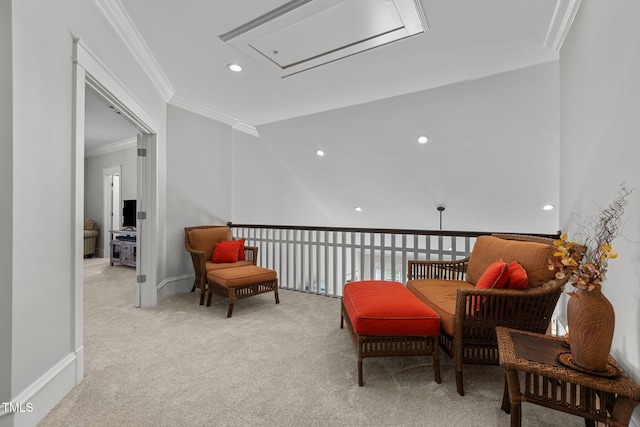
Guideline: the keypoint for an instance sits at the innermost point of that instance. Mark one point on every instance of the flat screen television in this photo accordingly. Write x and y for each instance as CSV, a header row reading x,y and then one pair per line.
x,y
129,213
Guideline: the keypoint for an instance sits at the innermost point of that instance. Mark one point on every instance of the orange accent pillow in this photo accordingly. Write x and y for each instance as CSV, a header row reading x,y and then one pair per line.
x,y
518,278
241,250
495,276
226,251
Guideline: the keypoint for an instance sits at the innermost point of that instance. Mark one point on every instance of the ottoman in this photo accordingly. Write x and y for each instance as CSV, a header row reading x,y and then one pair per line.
x,y
386,319
241,282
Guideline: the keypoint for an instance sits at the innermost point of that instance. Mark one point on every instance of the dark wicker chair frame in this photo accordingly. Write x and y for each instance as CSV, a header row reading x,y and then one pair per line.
x,y
391,345
474,340
240,292
199,261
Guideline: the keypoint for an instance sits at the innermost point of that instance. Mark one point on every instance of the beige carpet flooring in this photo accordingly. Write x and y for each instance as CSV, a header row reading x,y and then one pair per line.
x,y
180,364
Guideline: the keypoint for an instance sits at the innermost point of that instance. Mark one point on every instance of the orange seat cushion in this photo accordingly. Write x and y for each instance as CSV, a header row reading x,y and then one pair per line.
x,y
440,295
378,307
241,276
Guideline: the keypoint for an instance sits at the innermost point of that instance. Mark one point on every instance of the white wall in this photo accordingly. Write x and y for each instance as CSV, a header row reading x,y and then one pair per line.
x,y
600,111
6,202
493,175
198,181
265,191
43,358
216,175
94,184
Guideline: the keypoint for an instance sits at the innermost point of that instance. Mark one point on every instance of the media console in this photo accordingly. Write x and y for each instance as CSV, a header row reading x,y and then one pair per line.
x,y
123,249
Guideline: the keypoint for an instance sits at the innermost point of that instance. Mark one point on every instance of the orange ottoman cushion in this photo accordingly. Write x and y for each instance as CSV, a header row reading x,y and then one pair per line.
x,y
378,307
241,276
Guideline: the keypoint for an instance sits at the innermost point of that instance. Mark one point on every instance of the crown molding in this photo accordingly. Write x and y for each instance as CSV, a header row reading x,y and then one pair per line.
x,y
561,22
110,148
119,20
189,104
248,129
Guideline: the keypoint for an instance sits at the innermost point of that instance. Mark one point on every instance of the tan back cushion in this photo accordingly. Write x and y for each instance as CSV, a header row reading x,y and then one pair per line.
x,y
533,256
205,239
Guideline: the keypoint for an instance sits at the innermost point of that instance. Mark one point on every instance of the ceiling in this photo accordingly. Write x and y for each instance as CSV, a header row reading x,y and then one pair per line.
x,y
480,83
104,125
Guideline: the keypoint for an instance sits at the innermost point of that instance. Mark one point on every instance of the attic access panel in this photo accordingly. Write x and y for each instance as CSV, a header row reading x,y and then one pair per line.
x,y
303,34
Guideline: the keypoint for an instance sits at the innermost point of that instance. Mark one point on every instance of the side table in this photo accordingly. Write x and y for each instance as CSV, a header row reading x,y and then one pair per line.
x,y
547,382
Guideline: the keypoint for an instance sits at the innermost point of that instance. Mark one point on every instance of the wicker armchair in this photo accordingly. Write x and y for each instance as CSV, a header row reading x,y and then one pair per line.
x,y
200,241
469,315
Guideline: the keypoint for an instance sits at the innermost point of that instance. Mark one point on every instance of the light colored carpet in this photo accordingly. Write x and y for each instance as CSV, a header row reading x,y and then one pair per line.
x,y
269,365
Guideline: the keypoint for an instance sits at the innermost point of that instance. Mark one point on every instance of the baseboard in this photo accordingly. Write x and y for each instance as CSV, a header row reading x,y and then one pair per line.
x,y
38,399
175,285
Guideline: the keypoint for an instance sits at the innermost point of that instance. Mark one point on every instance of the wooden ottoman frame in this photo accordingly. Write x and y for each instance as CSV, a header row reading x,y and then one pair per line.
x,y
234,289
391,345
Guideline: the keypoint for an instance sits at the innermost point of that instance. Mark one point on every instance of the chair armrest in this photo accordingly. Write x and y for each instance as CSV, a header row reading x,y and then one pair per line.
x,y
251,254
91,233
199,263
445,270
479,311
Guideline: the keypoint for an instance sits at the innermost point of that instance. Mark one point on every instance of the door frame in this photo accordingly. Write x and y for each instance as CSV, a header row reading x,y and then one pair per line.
x,y
107,213
90,73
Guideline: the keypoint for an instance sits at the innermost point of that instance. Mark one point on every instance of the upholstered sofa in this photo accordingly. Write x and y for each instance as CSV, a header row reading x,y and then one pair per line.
x,y
91,233
468,314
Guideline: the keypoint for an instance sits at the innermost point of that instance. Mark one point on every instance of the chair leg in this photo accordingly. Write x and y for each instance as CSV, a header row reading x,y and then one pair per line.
x,y
275,291
203,290
230,311
436,362
360,381
506,402
232,300
208,299
459,383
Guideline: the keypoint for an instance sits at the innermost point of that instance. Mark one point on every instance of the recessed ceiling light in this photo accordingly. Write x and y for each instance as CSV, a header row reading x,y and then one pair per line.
x,y
357,209
319,153
548,207
423,139
234,67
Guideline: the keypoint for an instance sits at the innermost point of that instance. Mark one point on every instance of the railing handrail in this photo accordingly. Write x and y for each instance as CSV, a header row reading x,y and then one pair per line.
x,y
388,230
321,259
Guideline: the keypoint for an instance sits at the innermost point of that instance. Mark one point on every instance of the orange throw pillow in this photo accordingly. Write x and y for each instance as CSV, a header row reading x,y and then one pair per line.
x,y
495,276
518,278
241,250
226,251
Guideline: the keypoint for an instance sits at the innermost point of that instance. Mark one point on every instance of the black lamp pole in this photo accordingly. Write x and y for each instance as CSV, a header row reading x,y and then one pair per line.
x,y
440,209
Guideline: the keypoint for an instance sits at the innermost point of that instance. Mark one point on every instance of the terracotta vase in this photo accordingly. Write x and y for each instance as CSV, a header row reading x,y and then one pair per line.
x,y
591,322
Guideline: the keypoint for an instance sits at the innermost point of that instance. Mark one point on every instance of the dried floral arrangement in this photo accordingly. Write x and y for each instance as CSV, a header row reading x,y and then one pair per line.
x,y
585,265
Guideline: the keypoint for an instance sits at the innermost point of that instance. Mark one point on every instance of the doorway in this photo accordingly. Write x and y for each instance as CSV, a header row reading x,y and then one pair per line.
x,y
90,73
112,201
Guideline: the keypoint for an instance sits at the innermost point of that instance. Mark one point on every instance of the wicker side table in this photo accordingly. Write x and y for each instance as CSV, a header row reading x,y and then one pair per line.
x,y
533,358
